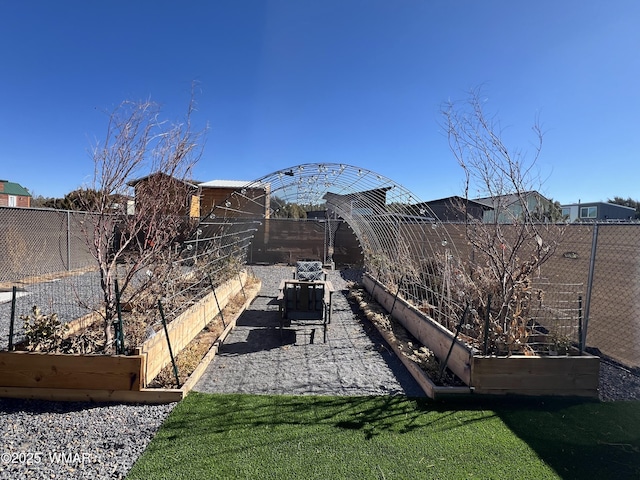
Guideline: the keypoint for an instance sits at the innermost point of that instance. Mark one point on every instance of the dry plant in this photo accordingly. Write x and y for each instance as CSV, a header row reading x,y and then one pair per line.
x,y
399,336
515,237
42,332
135,247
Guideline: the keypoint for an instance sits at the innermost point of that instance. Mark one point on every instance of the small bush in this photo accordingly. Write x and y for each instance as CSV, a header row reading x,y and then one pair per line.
x,y
42,332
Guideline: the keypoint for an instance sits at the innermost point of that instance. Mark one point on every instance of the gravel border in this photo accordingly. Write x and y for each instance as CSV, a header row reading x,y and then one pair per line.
x,y
44,439
618,383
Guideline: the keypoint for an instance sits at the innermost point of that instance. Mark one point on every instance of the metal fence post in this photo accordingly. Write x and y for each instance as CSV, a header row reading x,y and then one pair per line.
x,y
13,317
592,263
68,241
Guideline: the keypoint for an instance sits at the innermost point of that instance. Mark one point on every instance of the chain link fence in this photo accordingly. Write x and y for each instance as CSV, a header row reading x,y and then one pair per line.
x,y
46,262
36,242
44,257
605,259
590,288
588,292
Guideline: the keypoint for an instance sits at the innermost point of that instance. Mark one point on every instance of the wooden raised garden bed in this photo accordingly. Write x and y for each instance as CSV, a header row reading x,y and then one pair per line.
x,y
570,375
118,378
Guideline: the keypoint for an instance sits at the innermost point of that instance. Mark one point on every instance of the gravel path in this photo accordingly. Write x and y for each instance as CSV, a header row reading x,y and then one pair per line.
x,y
255,358
57,440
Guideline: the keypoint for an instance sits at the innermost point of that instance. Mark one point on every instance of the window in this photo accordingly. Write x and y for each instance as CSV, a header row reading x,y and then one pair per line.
x,y
566,212
12,201
588,212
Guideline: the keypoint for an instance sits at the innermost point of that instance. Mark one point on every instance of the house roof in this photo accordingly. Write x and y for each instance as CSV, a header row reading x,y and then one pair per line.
x,y
133,183
231,184
591,204
455,199
10,188
507,199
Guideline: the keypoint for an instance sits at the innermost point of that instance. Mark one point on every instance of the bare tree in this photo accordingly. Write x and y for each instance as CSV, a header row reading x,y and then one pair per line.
x,y
133,246
510,243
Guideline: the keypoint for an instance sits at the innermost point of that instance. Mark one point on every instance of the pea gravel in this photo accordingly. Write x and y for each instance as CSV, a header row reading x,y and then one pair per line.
x,y
60,440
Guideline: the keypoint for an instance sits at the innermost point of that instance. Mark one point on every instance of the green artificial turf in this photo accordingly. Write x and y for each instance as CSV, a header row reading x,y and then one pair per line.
x,y
307,437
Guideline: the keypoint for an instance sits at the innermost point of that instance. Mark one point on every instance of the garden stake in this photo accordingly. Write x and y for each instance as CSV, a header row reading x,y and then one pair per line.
x,y
241,286
443,365
375,284
213,289
580,344
397,293
13,316
118,324
166,333
486,325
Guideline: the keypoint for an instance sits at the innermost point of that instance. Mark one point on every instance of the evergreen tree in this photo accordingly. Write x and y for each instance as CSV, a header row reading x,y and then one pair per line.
x,y
627,202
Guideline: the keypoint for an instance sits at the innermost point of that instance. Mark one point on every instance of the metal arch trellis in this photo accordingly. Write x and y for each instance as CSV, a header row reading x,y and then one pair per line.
x,y
402,241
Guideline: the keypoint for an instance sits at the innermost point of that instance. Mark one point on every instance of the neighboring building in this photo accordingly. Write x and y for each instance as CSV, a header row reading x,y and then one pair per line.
x,y
14,195
453,209
187,194
237,198
597,211
317,215
510,208
365,203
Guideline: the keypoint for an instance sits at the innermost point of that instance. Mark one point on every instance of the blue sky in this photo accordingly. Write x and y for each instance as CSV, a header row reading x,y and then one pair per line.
x,y
281,83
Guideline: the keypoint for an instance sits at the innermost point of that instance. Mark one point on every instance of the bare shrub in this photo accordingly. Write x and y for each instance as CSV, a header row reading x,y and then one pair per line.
x,y
515,236
136,247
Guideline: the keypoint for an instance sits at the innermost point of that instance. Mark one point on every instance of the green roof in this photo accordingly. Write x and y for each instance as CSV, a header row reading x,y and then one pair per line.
x,y
10,188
